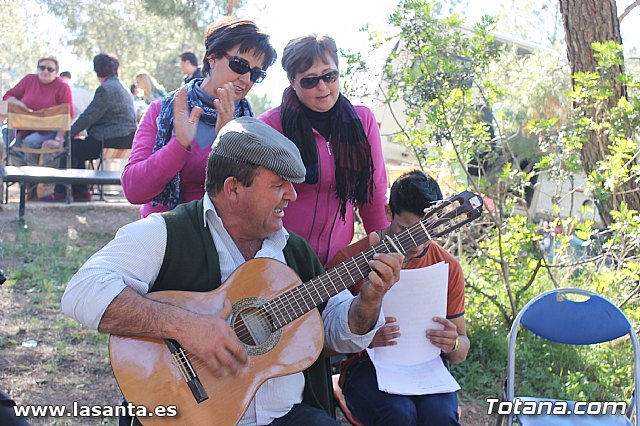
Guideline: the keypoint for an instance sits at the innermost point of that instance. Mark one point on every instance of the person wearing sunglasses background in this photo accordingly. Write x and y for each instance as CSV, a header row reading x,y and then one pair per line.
x,y
109,121
340,146
164,171
39,91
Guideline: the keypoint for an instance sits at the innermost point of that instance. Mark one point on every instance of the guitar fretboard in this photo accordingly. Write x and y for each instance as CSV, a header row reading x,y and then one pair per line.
x,y
305,297
445,217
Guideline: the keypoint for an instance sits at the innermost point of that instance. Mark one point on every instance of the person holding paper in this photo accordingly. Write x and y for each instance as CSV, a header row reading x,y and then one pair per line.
x,y
410,194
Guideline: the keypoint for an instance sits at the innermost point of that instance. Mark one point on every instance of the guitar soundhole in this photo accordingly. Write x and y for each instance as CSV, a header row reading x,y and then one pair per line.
x,y
252,326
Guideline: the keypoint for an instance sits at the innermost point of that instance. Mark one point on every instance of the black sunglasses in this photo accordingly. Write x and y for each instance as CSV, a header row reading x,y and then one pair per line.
x,y
241,66
311,82
42,68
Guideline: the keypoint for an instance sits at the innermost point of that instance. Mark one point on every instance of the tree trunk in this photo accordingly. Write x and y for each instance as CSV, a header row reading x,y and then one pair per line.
x,y
586,21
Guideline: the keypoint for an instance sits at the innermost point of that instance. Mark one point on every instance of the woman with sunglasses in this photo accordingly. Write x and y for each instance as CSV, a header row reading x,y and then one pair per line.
x,y
109,121
340,146
39,91
164,171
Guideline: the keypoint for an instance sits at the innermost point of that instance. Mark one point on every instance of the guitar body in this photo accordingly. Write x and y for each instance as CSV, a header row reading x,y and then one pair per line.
x,y
148,374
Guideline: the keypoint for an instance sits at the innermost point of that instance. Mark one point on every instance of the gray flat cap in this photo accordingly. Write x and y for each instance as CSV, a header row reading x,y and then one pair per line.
x,y
250,140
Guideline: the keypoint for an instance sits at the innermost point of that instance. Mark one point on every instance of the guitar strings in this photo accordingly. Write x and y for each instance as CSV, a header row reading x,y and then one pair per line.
x,y
192,361
350,266
353,268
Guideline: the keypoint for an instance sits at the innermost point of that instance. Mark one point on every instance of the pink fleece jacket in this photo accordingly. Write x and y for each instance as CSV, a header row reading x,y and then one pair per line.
x,y
147,172
315,215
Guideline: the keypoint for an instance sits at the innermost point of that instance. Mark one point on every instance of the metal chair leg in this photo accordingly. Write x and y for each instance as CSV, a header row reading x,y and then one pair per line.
x,y
23,201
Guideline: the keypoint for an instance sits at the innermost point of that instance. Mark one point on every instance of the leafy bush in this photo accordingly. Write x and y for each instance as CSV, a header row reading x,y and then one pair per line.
x,y
443,78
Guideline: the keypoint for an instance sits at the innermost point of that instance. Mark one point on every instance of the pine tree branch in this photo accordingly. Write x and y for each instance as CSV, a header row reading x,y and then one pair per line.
x,y
629,9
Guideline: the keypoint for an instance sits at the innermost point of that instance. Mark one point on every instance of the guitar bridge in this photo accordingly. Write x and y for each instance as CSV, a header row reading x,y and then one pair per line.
x,y
187,371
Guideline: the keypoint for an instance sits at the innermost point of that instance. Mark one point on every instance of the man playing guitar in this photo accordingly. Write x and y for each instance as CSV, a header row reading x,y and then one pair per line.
x,y
197,247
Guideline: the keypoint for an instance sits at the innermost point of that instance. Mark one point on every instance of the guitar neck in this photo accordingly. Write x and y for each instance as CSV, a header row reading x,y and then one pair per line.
x,y
445,217
307,296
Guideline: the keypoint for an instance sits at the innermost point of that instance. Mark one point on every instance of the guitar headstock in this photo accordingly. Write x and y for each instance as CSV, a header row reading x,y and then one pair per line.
x,y
453,213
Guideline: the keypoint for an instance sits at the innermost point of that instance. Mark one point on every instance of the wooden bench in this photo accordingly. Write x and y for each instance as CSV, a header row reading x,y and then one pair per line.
x,y
34,174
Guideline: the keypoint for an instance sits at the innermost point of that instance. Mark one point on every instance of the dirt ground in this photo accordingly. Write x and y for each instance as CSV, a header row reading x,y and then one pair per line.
x,y
69,363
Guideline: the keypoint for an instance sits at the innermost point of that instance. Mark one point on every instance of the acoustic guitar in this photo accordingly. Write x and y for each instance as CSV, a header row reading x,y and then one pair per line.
x,y
274,317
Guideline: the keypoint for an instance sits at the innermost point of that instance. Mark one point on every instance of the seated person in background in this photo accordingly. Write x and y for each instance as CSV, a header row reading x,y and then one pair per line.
x,y
109,119
81,96
249,185
189,66
152,90
410,194
39,91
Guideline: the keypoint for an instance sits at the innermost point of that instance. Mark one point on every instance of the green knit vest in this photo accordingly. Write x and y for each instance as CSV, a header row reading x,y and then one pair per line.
x,y
191,263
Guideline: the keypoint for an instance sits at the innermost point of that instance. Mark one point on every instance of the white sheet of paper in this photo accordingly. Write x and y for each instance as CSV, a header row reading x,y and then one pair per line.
x,y
423,379
414,300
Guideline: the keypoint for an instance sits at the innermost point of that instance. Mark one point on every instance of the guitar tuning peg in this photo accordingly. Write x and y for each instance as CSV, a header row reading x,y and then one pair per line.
x,y
432,206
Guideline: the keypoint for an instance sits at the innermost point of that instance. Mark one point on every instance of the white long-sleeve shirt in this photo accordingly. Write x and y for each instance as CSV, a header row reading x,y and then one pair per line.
x,y
134,257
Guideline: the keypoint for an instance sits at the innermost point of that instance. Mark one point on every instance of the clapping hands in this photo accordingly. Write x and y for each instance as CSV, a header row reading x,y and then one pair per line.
x,y
185,124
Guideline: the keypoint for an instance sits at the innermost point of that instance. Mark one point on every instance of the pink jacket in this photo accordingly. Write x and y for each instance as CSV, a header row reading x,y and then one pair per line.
x,y
147,172
315,214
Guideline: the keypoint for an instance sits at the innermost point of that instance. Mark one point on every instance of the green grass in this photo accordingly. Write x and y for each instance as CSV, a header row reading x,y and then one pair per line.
x,y
70,362
587,373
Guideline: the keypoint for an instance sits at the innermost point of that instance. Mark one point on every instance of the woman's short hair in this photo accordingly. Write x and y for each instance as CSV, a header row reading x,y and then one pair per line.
x,y
50,58
229,32
301,52
106,65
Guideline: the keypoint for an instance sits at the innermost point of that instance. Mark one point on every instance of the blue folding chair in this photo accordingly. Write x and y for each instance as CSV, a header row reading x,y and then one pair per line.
x,y
557,318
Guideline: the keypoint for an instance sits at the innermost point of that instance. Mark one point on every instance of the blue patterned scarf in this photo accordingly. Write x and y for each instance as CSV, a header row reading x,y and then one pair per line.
x,y
171,195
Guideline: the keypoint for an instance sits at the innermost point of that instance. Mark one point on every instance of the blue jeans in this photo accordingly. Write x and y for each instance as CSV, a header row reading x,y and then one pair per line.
x,y
302,414
374,407
35,140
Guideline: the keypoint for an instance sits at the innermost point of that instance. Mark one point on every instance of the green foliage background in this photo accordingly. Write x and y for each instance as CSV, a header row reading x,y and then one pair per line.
x,y
144,34
442,75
